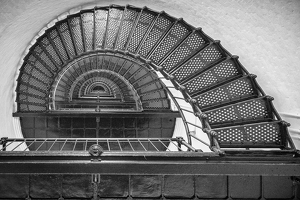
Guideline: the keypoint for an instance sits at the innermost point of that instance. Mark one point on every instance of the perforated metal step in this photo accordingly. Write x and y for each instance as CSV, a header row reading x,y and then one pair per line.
x,y
236,90
253,110
258,135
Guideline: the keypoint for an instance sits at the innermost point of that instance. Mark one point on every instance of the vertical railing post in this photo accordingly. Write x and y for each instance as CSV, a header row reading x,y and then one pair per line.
x,y
179,142
214,144
3,143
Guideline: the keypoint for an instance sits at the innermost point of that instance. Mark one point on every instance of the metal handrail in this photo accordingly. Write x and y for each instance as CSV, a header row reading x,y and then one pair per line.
x,y
82,144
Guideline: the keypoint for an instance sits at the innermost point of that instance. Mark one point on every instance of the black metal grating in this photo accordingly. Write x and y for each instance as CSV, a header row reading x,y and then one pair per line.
x,y
50,50
75,26
40,54
139,73
125,30
236,90
172,39
48,62
115,16
202,81
156,104
223,71
142,81
199,62
58,44
149,87
140,30
266,134
100,26
66,37
87,19
36,92
161,25
254,109
37,100
154,95
35,108
184,51
34,81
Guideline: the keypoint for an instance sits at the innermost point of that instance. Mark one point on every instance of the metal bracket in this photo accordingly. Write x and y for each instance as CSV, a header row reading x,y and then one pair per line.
x,y
95,182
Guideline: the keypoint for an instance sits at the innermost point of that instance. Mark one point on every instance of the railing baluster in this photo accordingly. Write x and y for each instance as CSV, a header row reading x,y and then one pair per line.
x,y
41,145
119,145
108,146
152,144
142,145
75,145
85,148
30,144
64,145
52,145
164,145
130,145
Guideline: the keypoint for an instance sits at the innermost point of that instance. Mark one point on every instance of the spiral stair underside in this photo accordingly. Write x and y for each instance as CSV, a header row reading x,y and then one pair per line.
x,y
236,108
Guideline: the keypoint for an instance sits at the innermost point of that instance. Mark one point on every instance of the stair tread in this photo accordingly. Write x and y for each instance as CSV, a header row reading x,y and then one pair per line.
x,y
234,91
248,111
143,24
159,28
174,37
205,58
256,135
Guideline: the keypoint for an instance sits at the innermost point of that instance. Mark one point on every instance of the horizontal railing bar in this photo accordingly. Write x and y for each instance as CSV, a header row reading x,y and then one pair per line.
x,y
187,110
188,146
200,140
194,125
179,98
83,139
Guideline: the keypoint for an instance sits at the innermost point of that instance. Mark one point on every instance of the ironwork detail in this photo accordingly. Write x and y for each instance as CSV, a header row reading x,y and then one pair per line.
x,y
95,150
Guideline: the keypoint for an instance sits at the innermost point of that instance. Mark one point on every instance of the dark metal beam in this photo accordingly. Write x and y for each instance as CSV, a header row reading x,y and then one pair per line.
x,y
141,163
147,114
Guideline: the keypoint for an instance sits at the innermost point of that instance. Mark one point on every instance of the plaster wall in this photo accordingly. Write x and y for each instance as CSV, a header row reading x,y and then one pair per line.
x,y
264,34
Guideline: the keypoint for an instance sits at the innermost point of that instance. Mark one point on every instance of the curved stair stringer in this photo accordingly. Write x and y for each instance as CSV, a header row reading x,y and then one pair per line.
x,y
221,92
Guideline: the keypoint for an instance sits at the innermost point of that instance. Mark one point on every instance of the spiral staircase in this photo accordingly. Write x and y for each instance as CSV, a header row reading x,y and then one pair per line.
x,y
118,49
133,69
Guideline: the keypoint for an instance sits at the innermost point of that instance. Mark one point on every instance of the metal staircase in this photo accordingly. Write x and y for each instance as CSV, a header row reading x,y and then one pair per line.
x,y
127,44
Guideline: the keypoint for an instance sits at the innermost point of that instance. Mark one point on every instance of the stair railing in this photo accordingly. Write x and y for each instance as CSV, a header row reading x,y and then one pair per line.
x,y
214,145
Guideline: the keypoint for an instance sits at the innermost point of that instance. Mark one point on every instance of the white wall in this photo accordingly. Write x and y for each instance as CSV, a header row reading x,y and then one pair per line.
x,y
265,34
